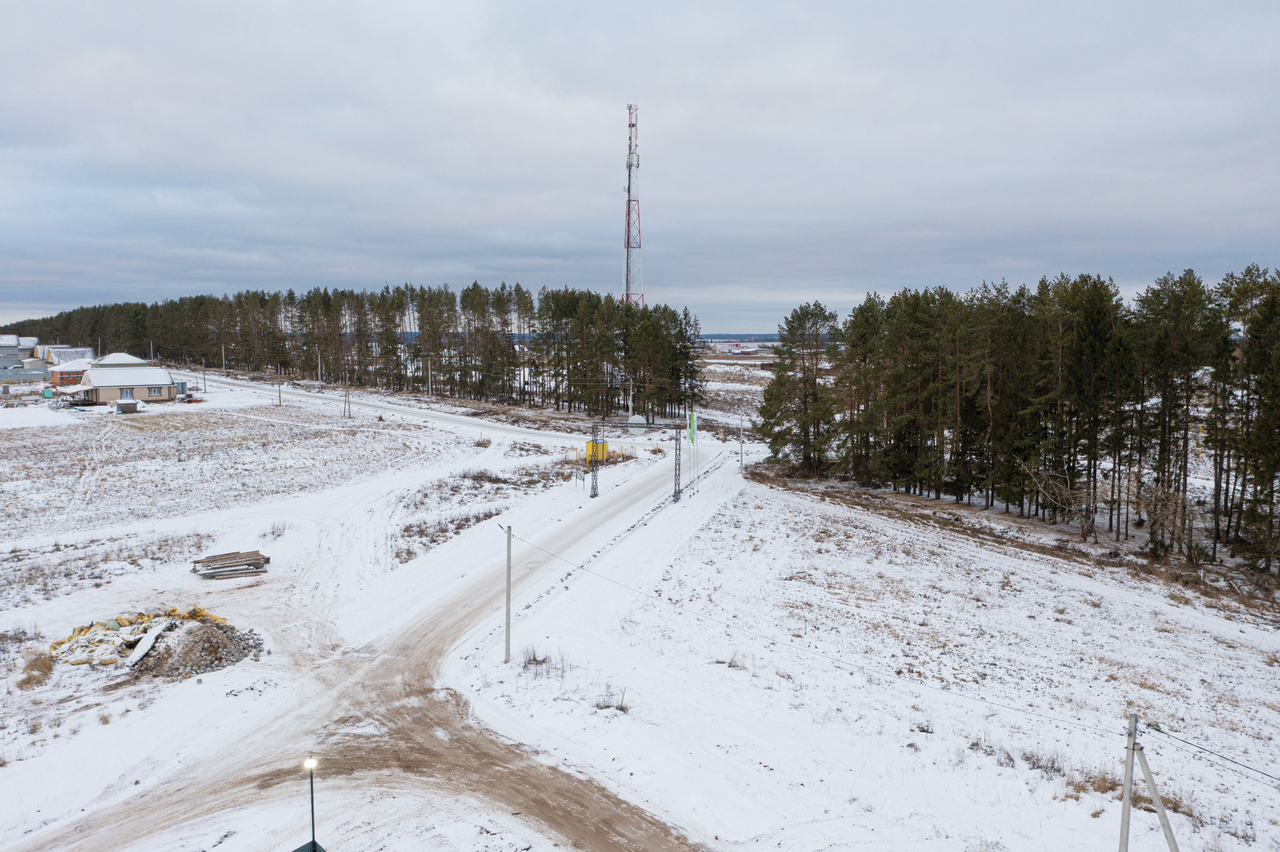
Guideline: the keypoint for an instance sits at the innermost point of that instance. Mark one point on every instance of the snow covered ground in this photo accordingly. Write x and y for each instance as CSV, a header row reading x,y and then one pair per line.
x,y
751,668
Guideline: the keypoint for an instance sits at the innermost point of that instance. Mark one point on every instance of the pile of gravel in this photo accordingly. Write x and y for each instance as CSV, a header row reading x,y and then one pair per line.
x,y
195,647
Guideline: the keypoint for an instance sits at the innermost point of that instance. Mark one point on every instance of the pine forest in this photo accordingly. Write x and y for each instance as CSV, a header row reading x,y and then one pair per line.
x,y
575,350
1159,418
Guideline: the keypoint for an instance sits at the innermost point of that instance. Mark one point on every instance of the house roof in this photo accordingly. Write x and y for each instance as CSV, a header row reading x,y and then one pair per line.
x,y
126,377
9,340
63,355
77,366
121,359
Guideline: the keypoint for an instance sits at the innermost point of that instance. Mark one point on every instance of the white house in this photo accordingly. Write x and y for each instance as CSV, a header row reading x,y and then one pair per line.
x,y
145,383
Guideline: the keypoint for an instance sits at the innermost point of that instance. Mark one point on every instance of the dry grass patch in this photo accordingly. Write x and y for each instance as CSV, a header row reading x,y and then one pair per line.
x,y
36,671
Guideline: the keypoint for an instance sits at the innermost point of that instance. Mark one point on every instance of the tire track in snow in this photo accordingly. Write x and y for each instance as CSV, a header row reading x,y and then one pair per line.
x,y
392,686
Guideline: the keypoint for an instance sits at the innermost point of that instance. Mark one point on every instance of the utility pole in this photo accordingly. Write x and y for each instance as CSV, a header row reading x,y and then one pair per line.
x,y
741,463
507,658
693,443
675,498
1127,799
1134,749
1155,799
634,279
593,456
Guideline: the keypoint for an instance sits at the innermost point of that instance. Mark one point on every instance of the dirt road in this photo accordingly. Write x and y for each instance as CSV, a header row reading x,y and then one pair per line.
x,y
379,720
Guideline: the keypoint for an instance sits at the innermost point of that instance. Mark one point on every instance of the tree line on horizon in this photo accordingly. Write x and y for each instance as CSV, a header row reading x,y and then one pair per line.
x,y
576,350
1061,401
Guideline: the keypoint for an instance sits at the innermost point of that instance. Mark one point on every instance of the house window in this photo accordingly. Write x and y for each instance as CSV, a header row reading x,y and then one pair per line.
x,y
155,392
126,393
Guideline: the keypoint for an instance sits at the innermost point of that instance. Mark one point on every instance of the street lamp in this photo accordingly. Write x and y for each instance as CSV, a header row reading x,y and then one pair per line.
x,y
310,764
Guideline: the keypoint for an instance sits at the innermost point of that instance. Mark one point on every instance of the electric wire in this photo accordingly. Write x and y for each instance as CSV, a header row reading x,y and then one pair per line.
x,y
840,663
835,660
1162,733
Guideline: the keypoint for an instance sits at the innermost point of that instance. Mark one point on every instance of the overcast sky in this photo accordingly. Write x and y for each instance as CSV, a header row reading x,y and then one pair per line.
x,y
789,152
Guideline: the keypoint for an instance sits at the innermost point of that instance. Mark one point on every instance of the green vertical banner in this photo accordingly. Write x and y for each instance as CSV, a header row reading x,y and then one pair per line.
x,y
693,428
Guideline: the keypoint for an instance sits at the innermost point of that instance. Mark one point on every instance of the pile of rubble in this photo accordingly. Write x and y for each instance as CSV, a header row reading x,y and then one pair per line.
x,y
200,646
172,643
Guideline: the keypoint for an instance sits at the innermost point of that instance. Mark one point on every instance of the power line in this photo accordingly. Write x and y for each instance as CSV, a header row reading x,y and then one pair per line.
x,y
1208,750
835,660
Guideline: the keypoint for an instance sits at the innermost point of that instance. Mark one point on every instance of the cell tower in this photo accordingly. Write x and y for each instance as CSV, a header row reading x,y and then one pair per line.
x,y
635,279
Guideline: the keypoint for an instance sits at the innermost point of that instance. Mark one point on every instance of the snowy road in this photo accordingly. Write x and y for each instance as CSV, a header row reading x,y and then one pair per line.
x,y
364,654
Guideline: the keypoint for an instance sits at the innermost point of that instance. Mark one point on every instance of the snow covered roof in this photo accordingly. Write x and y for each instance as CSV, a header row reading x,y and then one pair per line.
x,y
10,340
121,359
126,377
28,342
62,356
77,366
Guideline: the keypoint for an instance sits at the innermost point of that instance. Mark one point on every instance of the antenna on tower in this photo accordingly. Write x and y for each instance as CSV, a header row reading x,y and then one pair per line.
x,y
635,279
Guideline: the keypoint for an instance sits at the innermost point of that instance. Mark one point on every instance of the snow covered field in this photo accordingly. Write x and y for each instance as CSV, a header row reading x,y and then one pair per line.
x,y
754,667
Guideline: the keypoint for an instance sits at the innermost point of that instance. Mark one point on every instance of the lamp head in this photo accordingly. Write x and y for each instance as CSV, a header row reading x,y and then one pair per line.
x,y
309,763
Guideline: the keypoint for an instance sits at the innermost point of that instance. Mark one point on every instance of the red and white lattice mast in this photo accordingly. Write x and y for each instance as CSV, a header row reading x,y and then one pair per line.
x,y
635,279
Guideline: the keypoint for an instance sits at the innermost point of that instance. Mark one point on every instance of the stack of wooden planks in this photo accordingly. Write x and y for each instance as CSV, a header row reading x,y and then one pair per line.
x,y
221,566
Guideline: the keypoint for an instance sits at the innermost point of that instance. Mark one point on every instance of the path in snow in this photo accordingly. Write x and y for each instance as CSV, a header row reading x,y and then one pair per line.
x,y
375,711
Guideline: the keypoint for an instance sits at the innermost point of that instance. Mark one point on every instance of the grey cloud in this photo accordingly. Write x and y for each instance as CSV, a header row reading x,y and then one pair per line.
x,y
152,150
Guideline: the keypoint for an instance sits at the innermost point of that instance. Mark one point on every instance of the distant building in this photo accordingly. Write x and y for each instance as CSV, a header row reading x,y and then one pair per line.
x,y
62,354
120,359
103,384
70,373
16,363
